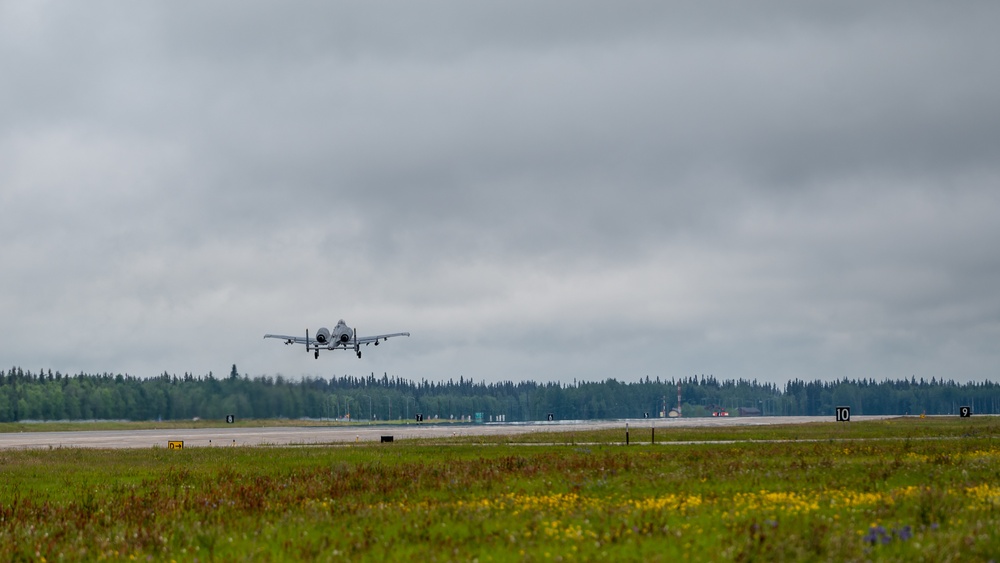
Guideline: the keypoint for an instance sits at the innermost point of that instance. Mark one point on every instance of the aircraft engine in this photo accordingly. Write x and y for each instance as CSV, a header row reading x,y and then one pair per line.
x,y
345,337
323,335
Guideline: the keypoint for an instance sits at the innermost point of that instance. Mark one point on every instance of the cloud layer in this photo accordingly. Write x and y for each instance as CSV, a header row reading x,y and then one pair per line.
x,y
563,191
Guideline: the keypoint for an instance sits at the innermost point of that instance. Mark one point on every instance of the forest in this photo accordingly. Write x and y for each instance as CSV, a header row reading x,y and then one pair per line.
x,y
44,396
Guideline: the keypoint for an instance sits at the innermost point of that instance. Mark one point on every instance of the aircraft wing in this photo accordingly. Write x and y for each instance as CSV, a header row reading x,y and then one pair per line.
x,y
376,338
288,339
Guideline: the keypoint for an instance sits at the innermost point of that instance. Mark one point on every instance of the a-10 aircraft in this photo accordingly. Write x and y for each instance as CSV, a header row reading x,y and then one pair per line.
x,y
342,337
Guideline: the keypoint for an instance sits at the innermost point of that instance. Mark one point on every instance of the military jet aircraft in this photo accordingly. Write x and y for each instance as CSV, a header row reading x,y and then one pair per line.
x,y
342,337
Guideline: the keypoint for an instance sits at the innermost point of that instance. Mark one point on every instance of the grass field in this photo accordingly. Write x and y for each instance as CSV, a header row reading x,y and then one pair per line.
x,y
904,489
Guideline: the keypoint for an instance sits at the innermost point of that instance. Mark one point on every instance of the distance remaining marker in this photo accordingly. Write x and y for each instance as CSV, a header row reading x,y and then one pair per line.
x,y
843,414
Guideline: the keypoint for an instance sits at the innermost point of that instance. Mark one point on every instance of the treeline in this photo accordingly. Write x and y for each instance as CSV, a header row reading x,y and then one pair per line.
x,y
55,396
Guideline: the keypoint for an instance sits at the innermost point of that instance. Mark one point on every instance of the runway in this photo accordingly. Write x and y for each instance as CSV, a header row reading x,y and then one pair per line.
x,y
284,436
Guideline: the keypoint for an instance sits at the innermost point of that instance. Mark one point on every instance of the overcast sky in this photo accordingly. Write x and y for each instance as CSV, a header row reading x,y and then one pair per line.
x,y
539,191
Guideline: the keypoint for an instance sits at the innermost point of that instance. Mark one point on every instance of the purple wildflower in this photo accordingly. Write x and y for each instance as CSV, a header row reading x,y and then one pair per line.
x,y
877,534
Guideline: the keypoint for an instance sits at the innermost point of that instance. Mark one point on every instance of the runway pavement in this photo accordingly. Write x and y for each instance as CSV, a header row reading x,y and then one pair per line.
x,y
244,436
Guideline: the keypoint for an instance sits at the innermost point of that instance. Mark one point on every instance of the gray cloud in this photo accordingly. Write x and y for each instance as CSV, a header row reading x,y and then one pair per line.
x,y
556,191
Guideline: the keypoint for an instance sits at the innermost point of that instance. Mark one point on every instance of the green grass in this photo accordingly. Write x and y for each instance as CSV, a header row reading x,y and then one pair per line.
x,y
906,489
893,428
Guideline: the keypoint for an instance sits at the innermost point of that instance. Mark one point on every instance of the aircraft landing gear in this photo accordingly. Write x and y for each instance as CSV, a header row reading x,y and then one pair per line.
x,y
316,355
359,354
